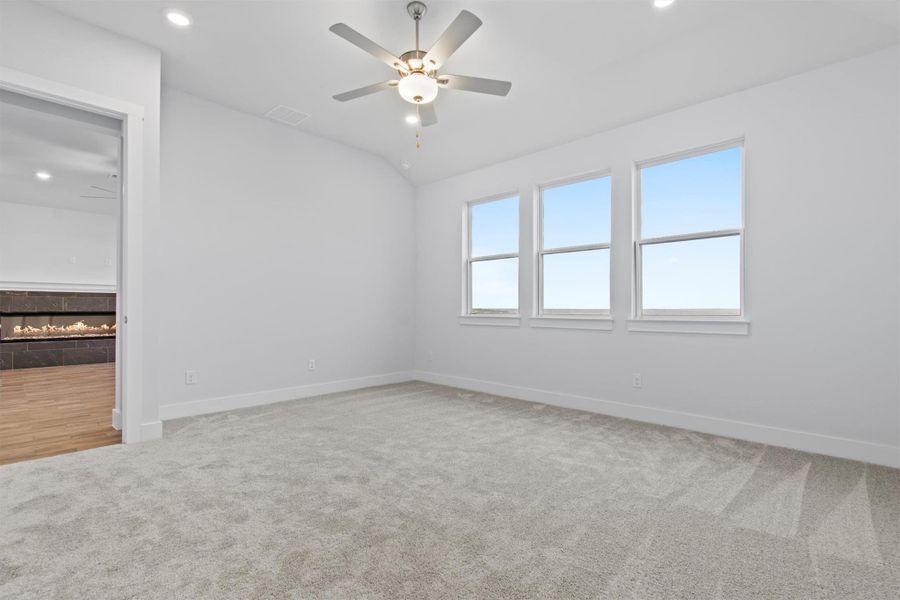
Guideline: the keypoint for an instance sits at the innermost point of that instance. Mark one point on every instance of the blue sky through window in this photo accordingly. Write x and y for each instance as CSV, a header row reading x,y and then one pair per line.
x,y
702,193
697,274
697,194
495,284
495,227
495,230
577,213
577,280
692,195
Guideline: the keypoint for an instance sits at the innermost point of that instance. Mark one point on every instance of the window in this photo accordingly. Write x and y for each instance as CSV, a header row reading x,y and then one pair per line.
x,y
492,264
690,228
573,249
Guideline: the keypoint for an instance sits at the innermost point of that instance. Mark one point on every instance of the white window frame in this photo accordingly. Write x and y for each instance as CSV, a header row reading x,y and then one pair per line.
x,y
541,252
468,311
689,315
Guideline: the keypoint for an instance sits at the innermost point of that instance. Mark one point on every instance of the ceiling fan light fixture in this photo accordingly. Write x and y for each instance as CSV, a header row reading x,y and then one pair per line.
x,y
418,88
663,3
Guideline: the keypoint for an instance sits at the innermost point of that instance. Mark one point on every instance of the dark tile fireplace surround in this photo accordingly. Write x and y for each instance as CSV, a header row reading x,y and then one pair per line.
x,y
30,353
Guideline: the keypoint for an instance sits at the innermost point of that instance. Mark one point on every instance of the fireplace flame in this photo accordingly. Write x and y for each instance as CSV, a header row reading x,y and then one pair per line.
x,y
78,329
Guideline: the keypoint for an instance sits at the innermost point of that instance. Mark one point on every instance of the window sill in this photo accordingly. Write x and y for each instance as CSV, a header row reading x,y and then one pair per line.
x,y
491,320
597,323
702,326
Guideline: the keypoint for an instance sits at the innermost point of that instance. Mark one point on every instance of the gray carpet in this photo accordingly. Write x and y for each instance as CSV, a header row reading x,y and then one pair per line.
x,y
421,491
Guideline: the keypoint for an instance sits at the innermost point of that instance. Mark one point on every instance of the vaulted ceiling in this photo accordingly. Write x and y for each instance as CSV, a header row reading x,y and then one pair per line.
x,y
577,67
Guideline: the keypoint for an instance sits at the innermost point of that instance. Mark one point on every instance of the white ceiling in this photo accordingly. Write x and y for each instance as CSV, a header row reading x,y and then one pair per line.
x,y
577,67
79,150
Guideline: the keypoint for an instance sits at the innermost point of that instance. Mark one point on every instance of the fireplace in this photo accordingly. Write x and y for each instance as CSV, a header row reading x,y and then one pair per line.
x,y
51,329
56,326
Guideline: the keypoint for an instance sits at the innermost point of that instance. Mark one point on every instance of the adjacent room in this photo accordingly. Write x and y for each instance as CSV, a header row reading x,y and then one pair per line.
x,y
58,278
490,299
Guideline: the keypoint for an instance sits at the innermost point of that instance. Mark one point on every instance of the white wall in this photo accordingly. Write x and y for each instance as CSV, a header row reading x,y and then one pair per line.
x,y
44,43
280,247
822,237
259,222
38,245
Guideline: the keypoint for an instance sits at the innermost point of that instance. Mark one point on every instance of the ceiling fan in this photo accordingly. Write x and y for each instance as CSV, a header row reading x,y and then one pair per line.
x,y
419,80
102,189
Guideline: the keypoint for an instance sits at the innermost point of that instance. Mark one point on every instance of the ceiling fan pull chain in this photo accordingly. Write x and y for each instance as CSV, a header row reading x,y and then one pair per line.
x,y
418,123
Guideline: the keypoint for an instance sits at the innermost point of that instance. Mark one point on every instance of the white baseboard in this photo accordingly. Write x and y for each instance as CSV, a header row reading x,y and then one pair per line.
x,y
212,405
117,419
151,431
774,436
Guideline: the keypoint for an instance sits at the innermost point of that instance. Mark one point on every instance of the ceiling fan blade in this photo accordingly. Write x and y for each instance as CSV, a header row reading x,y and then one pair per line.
x,y
463,26
427,116
365,91
364,43
475,84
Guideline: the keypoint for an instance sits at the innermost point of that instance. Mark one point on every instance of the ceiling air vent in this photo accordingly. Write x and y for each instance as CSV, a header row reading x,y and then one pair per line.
x,y
287,115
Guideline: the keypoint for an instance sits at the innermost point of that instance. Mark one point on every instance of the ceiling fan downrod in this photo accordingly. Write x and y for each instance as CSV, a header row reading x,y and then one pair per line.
x,y
416,10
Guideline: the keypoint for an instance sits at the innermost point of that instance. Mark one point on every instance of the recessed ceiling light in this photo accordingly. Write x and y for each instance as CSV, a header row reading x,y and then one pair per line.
x,y
412,119
178,18
43,175
663,3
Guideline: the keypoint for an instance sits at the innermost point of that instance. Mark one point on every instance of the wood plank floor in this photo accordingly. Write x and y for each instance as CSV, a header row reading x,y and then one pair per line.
x,y
54,410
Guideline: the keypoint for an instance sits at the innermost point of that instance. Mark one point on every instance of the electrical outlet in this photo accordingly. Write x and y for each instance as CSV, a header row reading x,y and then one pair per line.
x,y
311,365
636,381
190,378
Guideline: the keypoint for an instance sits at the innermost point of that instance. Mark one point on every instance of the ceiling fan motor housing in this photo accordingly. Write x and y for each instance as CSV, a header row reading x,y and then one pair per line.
x,y
415,60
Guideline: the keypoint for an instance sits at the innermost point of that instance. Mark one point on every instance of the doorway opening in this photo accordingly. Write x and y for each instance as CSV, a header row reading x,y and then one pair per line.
x,y
61,209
